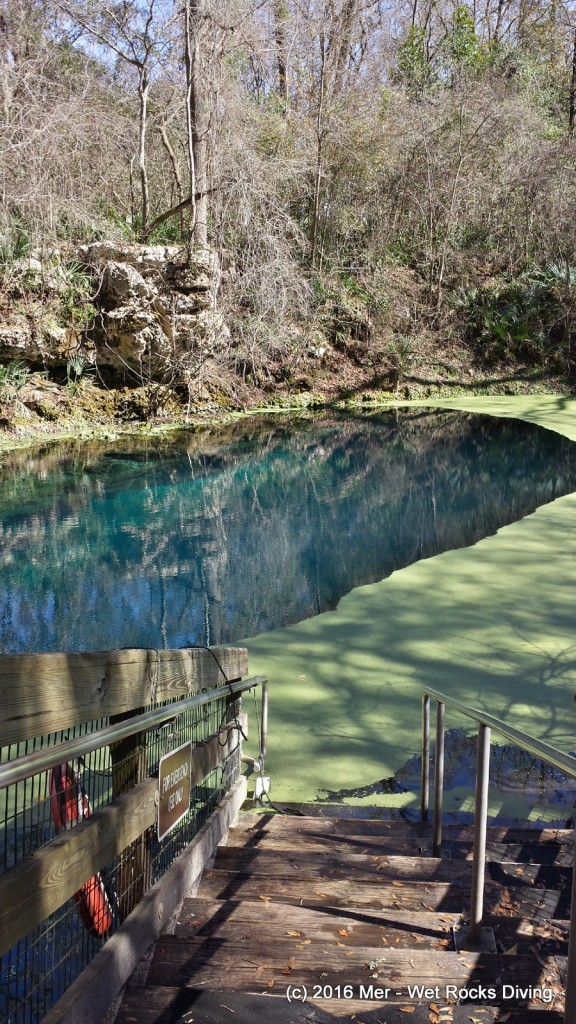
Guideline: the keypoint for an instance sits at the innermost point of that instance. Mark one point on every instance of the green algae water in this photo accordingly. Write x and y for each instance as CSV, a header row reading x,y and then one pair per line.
x,y
206,538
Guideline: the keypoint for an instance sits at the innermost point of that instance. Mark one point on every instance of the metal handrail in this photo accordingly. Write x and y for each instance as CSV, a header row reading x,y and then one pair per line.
x,y
43,760
548,753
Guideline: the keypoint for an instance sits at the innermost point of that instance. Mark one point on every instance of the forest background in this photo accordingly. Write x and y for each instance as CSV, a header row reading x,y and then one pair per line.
x,y
389,188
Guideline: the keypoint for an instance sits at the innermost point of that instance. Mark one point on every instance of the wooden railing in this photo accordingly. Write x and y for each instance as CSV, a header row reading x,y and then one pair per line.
x,y
113,715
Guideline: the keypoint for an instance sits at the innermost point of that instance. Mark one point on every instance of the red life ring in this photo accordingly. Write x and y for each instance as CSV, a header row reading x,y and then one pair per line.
x,y
70,804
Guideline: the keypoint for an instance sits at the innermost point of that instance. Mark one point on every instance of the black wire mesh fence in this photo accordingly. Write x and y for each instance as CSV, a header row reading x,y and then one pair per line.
x,y
39,968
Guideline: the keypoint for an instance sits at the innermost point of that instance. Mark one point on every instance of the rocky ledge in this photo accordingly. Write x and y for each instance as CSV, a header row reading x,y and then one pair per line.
x,y
152,309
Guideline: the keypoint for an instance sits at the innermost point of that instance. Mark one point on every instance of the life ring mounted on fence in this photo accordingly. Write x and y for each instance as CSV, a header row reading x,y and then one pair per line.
x,y
70,805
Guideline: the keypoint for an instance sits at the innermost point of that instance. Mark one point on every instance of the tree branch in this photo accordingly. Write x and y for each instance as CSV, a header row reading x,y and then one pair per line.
x,y
174,211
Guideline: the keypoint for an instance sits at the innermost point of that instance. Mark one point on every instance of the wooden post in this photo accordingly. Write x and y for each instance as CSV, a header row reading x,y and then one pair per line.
x,y
128,758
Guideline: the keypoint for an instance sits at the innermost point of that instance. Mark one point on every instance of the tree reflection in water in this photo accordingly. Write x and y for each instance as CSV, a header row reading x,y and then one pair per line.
x,y
206,538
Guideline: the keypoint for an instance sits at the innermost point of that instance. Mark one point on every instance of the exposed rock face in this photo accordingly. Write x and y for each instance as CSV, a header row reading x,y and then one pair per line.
x,y
33,290
158,309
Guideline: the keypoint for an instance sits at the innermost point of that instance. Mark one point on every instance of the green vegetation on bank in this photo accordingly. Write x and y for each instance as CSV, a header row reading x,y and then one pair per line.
x,y
390,191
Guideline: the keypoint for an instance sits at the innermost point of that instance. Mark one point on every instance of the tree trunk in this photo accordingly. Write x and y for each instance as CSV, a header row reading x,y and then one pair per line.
x,y
319,153
196,130
176,171
572,108
280,17
143,90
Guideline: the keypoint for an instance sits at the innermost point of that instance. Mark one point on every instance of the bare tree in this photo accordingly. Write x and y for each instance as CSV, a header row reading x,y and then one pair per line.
x,y
137,35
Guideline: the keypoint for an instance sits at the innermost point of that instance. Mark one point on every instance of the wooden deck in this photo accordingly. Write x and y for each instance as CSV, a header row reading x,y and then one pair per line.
x,y
357,914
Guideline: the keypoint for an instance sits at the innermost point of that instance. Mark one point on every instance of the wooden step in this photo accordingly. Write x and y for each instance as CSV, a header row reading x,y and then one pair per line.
x,y
450,897
360,916
278,824
235,920
188,1005
399,975
365,867
398,842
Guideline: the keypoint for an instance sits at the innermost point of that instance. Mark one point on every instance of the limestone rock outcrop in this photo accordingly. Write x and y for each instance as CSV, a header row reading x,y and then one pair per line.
x,y
152,309
157,307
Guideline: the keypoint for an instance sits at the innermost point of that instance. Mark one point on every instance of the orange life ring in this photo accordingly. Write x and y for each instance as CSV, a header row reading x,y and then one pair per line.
x,y
70,804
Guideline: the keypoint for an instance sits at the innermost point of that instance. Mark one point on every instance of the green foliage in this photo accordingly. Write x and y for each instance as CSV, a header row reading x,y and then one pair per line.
x,y
121,222
13,376
344,312
15,244
76,368
461,48
401,250
401,352
413,67
75,294
168,233
530,319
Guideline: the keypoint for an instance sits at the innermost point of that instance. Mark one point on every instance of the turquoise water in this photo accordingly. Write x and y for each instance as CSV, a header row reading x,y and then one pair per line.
x,y
209,538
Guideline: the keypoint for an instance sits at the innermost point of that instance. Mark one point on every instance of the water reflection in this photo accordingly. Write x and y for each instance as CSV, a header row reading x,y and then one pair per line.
x,y
209,539
521,785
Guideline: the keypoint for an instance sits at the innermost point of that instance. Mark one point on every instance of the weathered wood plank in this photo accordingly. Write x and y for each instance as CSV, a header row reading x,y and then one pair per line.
x,y
195,963
44,881
383,867
235,921
403,929
280,825
398,843
169,1005
43,693
445,896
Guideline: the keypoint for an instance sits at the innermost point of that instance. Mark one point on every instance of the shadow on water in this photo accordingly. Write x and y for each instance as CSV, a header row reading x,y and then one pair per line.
x,y
206,538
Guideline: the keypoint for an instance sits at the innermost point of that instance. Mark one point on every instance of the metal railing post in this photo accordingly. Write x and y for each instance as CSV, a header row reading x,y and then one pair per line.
x,y
438,780
425,771
480,821
570,993
264,724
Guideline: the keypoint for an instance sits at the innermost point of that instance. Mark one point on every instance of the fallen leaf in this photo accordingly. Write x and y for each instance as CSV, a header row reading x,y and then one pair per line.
x,y
271,983
289,966
266,899
434,1007
406,1009
398,885
294,934
343,931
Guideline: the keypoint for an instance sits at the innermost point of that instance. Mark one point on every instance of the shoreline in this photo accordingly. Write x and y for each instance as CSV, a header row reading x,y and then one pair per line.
x,y
487,623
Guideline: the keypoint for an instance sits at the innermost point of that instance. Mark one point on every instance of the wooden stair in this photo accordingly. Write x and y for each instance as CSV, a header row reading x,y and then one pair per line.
x,y
359,914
